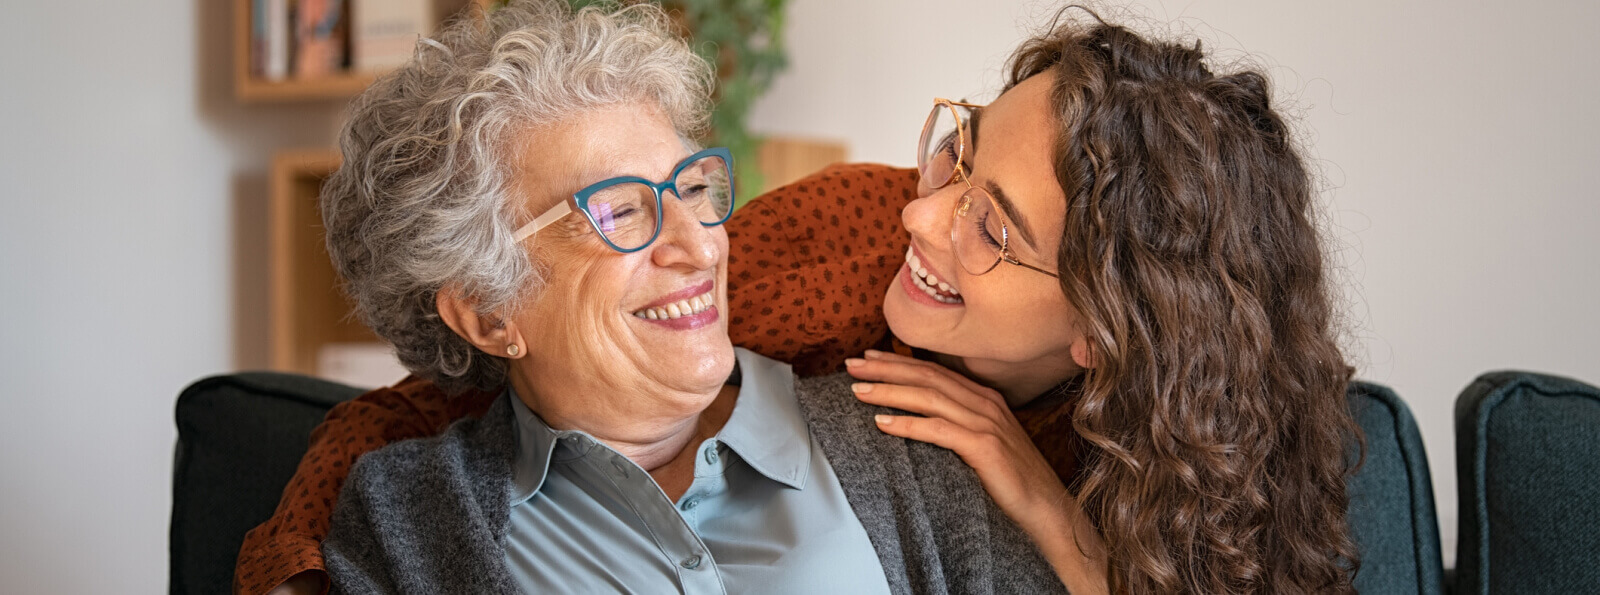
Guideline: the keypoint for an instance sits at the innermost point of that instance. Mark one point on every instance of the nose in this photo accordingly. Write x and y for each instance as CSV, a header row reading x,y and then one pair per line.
x,y
928,217
684,241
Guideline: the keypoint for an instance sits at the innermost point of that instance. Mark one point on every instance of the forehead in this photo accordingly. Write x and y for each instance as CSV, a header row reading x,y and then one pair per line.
x,y
632,139
1015,149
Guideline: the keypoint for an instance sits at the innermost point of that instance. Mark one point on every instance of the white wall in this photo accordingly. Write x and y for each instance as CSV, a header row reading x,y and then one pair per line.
x,y
131,197
1457,140
132,192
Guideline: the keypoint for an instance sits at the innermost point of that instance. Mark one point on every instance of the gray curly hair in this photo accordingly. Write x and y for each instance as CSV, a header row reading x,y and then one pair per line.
x,y
423,199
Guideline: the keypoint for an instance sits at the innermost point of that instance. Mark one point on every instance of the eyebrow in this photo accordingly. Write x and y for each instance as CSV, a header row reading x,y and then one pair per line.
x,y
1011,211
1006,205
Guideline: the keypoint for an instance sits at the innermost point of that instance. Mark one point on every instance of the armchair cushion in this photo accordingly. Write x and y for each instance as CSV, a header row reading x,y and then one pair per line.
x,y
1528,462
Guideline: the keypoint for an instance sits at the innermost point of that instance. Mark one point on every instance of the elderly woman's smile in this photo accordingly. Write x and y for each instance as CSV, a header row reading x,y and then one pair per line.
x,y
689,308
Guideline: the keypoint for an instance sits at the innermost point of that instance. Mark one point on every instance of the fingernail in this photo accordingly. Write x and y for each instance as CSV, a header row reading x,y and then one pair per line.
x,y
853,362
883,420
861,387
873,353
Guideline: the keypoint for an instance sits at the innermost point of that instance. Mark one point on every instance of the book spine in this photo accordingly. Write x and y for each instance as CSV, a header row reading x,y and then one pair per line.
x,y
258,38
277,35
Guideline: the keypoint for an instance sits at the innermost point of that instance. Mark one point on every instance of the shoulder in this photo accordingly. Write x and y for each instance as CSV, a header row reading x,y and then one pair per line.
x,y
465,455
828,398
845,427
840,421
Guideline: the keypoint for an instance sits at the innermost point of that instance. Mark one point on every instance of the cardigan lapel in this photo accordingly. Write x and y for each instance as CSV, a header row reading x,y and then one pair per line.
x,y
876,473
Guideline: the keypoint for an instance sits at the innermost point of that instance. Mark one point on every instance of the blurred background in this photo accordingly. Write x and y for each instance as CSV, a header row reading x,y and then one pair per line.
x,y
1455,141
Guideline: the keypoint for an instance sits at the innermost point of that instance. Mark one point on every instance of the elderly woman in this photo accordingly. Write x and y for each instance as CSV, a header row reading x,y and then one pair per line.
x,y
519,210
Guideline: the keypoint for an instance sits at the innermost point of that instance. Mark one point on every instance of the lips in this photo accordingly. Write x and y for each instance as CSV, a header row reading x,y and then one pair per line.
x,y
679,304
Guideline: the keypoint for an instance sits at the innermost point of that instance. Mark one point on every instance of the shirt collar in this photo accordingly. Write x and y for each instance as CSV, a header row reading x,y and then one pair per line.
x,y
766,429
536,445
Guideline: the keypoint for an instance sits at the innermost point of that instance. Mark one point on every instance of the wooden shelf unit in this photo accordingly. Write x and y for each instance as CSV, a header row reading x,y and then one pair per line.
x,y
306,308
248,88
307,311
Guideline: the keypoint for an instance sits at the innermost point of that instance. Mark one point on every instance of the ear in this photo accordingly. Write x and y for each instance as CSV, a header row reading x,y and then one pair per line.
x,y
1083,353
489,333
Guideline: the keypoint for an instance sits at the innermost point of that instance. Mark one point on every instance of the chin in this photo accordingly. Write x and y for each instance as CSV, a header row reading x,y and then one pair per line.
x,y
703,364
718,362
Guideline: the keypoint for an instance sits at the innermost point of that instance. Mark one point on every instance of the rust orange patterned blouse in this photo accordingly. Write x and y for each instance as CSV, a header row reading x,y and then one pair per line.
x,y
809,264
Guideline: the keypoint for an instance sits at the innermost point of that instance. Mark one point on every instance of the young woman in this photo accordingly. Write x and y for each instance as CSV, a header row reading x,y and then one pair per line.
x,y
1114,294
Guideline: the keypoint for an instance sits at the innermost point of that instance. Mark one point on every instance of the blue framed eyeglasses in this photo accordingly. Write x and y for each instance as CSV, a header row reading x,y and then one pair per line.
x,y
626,210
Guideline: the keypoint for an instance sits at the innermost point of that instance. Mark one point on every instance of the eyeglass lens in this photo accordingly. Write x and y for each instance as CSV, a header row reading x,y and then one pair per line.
x,y
625,212
940,148
977,232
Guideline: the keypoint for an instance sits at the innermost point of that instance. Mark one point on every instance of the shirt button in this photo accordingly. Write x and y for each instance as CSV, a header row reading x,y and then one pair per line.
x,y
711,455
692,562
691,503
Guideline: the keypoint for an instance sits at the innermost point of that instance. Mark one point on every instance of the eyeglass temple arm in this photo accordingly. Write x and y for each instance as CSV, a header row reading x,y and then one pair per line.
x,y
1013,260
556,212
954,102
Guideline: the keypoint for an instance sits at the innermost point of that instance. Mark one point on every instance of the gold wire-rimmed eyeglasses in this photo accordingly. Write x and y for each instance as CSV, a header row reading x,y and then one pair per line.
x,y
977,230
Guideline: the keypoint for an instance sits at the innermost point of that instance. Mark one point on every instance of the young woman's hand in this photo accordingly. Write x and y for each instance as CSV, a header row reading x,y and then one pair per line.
x,y
973,421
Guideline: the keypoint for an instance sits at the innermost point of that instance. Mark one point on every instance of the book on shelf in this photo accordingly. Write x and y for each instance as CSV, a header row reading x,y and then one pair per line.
x,y
384,33
319,33
306,39
269,39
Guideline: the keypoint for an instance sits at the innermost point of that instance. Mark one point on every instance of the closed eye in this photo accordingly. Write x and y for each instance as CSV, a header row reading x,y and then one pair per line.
x,y
983,231
692,191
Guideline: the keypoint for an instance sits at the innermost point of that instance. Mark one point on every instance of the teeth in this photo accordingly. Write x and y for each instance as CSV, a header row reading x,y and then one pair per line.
x,y
933,293
929,283
678,309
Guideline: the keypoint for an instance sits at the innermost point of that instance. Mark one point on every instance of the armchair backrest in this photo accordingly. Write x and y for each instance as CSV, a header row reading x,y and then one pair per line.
x,y
1528,463
240,437
1392,516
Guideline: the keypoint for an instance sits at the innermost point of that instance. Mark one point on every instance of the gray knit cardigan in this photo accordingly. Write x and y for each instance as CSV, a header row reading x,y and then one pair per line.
x,y
430,515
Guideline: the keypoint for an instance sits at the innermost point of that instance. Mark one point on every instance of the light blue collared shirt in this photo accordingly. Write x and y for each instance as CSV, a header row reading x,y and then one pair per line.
x,y
765,513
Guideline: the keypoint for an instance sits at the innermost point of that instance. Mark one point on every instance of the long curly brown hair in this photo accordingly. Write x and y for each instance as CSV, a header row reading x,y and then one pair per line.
x,y
1215,420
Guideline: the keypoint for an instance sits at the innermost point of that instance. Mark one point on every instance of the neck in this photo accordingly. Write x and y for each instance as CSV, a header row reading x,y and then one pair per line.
x,y
651,430
1019,382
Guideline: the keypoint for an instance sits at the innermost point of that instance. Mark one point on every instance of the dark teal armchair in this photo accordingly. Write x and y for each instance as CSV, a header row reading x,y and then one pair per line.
x,y
240,437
